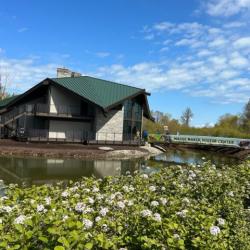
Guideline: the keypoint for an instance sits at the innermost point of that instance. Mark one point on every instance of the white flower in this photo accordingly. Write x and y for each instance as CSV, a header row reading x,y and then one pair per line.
x,y
3,198
79,207
186,200
182,213
95,189
112,196
221,221
88,210
177,236
7,209
20,219
157,217
104,211
48,200
65,217
214,230
231,193
144,176
152,188
1,220
40,208
98,218
87,190
203,158
65,194
163,201
121,204
125,188
99,197
87,223
163,188
127,172
91,200
130,203
154,203
75,188
192,175
146,213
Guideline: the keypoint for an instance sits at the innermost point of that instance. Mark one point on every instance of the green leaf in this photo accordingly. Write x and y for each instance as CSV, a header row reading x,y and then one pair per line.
x,y
89,245
52,230
43,239
59,248
16,246
64,241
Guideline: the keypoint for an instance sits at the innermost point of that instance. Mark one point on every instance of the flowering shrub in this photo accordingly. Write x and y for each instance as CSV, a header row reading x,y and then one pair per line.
x,y
192,207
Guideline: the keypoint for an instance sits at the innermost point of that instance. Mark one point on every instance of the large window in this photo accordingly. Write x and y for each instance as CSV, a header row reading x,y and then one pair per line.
x,y
132,119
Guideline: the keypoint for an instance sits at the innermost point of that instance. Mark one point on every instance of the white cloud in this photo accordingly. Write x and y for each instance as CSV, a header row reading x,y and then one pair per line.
x,y
239,61
243,42
24,73
102,54
200,60
163,26
218,42
235,24
21,30
226,7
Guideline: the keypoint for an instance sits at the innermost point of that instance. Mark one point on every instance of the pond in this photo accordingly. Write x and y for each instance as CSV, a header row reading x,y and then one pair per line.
x,y
37,171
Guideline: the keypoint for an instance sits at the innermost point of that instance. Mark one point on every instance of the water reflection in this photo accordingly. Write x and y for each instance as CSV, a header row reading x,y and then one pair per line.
x,y
39,171
35,171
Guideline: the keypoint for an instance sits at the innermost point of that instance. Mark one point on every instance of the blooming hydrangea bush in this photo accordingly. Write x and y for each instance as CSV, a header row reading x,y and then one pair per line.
x,y
189,207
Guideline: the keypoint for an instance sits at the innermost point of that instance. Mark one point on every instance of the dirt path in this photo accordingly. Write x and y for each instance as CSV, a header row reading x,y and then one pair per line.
x,y
11,147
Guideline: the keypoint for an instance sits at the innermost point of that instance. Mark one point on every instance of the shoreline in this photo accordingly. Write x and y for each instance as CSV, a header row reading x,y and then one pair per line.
x,y
10,148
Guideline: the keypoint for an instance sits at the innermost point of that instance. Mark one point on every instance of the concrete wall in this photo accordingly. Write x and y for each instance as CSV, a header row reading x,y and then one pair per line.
x,y
67,129
60,98
110,127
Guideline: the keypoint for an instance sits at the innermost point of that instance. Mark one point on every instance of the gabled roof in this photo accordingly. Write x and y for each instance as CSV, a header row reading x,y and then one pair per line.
x,y
105,94
101,92
7,100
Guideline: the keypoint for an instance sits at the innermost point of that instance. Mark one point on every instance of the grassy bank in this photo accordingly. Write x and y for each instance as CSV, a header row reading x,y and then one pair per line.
x,y
194,207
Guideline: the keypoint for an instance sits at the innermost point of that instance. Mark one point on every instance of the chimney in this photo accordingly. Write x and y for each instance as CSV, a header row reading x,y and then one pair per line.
x,y
63,72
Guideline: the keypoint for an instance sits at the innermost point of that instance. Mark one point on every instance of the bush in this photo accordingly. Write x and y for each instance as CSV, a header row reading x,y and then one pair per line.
x,y
192,207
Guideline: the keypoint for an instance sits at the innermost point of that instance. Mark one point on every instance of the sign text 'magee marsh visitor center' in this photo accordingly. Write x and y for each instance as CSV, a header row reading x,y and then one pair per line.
x,y
75,108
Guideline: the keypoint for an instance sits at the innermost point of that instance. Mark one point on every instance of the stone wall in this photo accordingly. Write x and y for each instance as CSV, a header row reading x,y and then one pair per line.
x,y
109,127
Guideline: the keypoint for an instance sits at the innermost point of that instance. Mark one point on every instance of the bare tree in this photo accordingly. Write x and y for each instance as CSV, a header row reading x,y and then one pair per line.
x,y
4,82
246,117
186,116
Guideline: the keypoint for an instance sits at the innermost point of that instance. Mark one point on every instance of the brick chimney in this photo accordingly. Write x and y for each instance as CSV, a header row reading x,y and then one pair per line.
x,y
63,72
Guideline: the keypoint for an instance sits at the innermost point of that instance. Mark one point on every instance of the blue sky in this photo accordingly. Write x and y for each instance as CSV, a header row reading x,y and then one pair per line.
x,y
186,53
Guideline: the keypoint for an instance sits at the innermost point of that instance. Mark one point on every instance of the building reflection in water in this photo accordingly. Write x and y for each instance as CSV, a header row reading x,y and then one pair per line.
x,y
32,171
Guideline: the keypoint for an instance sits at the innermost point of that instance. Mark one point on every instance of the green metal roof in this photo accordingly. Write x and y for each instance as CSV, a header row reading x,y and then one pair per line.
x,y
101,92
7,100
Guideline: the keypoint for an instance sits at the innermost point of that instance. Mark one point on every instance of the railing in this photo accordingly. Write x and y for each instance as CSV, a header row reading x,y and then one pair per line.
x,y
78,136
15,112
66,110
192,139
42,109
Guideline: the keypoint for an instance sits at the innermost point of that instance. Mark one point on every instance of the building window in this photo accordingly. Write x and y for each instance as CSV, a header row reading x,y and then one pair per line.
x,y
132,119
